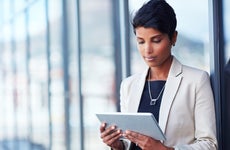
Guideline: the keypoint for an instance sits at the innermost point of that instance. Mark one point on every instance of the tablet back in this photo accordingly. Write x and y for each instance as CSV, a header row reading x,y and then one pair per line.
x,y
144,123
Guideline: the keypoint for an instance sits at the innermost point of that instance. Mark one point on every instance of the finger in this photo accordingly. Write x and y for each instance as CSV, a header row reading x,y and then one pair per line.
x,y
102,127
110,139
112,135
134,137
108,131
133,134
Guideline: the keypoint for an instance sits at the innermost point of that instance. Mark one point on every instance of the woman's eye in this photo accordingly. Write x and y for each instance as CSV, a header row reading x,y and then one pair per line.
x,y
140,42
156,40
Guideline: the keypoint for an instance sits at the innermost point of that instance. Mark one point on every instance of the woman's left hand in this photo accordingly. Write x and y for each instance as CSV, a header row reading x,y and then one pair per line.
x,y
145,142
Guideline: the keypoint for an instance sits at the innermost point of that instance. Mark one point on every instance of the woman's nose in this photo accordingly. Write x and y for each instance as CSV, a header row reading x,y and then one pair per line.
x,y
148,48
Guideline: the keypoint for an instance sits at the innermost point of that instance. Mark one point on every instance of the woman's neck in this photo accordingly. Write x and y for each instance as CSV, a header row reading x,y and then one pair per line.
x,y
161,72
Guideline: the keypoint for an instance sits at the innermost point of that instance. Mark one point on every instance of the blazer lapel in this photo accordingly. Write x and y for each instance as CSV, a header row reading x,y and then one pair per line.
x,y
171,87
136,93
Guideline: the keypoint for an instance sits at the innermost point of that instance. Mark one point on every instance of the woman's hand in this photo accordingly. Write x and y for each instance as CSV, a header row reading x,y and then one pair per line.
x,y
110,136
145,142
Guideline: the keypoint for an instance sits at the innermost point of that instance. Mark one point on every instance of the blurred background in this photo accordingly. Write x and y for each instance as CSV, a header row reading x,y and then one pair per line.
x,y
62,61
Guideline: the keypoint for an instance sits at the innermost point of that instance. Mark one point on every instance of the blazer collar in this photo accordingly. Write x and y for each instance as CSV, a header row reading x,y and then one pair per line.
x,y
171,88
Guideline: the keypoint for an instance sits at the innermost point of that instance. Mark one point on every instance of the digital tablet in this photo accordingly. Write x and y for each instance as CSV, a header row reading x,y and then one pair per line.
x,y
144,123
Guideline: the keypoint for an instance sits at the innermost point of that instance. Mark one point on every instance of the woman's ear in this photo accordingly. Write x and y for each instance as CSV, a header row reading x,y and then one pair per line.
x,y
174,38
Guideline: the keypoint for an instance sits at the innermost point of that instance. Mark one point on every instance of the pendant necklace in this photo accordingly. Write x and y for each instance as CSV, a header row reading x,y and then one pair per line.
x,y
153,100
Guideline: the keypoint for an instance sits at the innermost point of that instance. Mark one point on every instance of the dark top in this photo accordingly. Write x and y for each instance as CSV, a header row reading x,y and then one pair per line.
x,y
144,106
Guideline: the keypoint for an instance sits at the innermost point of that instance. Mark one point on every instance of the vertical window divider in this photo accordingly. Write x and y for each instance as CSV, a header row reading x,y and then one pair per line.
x,y
79,70
28,77
48,73
65,52
217,62
121,43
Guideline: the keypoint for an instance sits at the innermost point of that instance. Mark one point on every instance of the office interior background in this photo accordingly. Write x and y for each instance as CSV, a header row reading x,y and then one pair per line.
x,y
62,61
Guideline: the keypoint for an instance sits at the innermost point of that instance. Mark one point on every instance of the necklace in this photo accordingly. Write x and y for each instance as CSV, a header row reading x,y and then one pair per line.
x,y
153,100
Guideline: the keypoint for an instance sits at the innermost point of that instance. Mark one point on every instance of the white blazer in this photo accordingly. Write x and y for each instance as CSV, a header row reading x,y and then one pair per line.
x,y
187,113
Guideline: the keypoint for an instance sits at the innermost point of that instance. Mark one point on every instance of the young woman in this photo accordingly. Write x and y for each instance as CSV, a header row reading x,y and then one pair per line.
x,y
180,97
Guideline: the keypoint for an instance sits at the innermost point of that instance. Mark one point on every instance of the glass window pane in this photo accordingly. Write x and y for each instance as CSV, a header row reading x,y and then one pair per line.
x,y
38,74
19,5
7,84
2,119
21,80
97,66
56,75
137,63
192,47
6,6
73,75
227,29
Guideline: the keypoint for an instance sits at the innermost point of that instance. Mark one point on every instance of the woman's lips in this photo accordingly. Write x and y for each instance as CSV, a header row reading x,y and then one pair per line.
x,y
150,58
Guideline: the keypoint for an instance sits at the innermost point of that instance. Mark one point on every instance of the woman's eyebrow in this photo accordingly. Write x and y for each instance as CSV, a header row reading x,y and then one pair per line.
x,y
139,38
152,37
157,36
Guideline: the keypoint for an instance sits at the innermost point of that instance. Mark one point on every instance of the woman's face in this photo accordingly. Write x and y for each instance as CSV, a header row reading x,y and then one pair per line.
x,y
154,46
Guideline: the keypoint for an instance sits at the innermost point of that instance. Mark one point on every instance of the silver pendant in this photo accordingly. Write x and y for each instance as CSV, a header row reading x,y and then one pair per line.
x,y
153,101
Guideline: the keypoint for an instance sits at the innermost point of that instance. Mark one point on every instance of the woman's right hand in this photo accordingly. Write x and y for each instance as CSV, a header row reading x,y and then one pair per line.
x,y
110,136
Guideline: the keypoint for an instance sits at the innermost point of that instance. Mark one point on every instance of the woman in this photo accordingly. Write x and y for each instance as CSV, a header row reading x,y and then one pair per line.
x,y
180,97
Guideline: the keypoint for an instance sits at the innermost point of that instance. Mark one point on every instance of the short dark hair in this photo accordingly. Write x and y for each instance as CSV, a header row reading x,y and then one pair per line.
x,y
156,14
